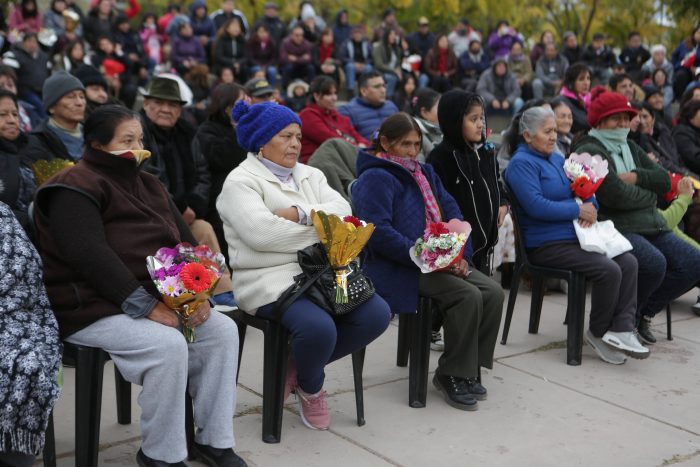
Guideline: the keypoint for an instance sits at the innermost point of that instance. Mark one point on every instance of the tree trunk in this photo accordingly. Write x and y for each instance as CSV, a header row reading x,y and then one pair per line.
x,y
586,29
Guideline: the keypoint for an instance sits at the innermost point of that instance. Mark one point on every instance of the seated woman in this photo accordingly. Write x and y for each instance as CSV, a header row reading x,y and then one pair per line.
x,y
217,141
401,196
668,266
546,211
686,135
30,347
17,184
103,296
656,140
230,49
266,206
576,92
565,121
321,121
441,64
425,112
387,54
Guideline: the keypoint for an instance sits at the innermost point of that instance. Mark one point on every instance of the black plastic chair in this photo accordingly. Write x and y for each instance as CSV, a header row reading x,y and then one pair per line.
x,y
89,368
275,355
576,309
414,341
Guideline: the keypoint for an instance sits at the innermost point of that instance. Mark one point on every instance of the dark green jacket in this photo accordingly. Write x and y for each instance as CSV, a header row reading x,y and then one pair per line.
x,y
631,207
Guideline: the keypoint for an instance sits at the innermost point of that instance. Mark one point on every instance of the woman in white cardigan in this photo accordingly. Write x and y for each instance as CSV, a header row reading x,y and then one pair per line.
x,y
266,205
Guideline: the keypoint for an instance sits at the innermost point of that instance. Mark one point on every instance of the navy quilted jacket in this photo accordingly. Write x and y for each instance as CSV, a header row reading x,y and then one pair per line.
x,y
388,196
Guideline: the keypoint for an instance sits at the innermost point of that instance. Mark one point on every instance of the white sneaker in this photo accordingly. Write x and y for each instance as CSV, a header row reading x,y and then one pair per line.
x,y
696,308
626,342
605,352
436,342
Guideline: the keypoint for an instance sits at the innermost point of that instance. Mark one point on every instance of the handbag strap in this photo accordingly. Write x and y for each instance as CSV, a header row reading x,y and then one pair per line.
x,y
282,306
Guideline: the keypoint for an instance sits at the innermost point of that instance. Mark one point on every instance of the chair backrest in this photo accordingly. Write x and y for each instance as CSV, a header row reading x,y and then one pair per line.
x,y
520,250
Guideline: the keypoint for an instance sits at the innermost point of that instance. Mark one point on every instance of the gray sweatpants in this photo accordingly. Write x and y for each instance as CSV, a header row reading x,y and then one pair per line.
x,y
158,358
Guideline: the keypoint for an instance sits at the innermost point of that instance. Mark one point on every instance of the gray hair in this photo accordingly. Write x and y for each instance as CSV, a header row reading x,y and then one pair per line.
x,y
658,48
533,119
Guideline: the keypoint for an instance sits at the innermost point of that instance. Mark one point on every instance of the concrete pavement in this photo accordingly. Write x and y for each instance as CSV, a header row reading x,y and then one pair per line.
x,y
540,412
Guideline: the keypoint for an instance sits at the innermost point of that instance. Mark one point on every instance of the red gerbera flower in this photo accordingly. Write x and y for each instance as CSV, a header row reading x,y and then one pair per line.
x,y
196,277
353,220
437,228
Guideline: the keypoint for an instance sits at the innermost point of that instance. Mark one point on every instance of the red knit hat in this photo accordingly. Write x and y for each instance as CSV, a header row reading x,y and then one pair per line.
x,y
605,103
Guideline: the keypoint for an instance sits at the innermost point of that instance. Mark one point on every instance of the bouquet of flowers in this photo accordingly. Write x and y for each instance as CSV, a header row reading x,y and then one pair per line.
x,y
441,245
43,169
586,173
342,239
186,276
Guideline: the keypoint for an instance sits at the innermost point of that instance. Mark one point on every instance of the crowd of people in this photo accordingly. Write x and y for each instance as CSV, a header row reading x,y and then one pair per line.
x,y
202,127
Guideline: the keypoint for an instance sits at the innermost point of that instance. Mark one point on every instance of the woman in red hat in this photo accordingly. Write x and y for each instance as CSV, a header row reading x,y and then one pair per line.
x,y
668,266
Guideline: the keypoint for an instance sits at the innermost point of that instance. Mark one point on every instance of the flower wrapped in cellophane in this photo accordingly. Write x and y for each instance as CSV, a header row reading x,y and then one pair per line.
x,y
186,277
441,245
343,239
43,169
586,173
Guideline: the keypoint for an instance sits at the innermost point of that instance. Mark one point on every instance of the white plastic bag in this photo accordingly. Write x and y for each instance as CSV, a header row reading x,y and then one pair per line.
x,y
602,237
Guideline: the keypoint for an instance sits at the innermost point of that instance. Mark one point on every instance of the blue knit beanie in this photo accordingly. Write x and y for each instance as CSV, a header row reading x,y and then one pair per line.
x,y
257,124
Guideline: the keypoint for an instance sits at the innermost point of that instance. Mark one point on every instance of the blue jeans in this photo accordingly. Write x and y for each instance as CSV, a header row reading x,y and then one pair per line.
x,y
351,74
318,339
391,81
270,73
668,268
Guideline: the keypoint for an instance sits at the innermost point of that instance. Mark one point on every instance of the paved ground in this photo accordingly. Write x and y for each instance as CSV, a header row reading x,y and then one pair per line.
x,y
540,412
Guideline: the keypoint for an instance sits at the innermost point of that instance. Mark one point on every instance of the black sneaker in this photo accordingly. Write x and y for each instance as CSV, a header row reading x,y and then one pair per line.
x,y
144,461
455,391
475,388
644,330
218,457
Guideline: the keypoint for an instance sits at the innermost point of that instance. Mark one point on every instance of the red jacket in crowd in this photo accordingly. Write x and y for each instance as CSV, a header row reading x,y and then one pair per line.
x,y
319,125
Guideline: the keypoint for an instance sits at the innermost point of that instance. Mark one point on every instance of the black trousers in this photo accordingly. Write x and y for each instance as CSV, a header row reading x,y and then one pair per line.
x,y
614,293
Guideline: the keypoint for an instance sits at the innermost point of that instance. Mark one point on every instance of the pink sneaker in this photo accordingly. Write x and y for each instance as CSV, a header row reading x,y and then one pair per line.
x,y
314,410
290,383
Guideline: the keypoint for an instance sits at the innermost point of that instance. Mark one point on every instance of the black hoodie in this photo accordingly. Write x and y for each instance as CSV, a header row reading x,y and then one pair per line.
x,y
469,173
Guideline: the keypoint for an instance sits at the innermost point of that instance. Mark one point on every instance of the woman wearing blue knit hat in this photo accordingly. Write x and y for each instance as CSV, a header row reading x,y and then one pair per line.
x,y
266,205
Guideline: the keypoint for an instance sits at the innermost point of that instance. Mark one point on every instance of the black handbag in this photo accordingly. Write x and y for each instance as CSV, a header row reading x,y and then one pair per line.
x,y
317,281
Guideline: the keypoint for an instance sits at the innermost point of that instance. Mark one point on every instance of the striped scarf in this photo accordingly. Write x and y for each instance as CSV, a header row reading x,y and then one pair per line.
x,y
432,208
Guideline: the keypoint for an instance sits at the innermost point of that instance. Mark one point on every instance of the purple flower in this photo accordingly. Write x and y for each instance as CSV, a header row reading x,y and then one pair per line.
x,y
175,269
159,274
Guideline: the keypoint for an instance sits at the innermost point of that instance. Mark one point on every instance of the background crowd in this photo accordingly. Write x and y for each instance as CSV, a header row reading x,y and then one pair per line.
x,y
180,73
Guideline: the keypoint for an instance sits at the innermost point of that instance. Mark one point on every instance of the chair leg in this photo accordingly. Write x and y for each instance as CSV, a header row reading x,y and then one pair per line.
x,y
512,296
577,309
241,340
538,286
89,369
669,335
49,454
274,374
358,363
420,355
123,388
405,322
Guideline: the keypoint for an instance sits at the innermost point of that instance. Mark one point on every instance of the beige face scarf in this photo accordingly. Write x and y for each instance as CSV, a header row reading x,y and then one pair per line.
x,y
139,155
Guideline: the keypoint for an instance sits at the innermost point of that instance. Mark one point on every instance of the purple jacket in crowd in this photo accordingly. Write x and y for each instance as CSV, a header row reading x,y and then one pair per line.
x,y
289,47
